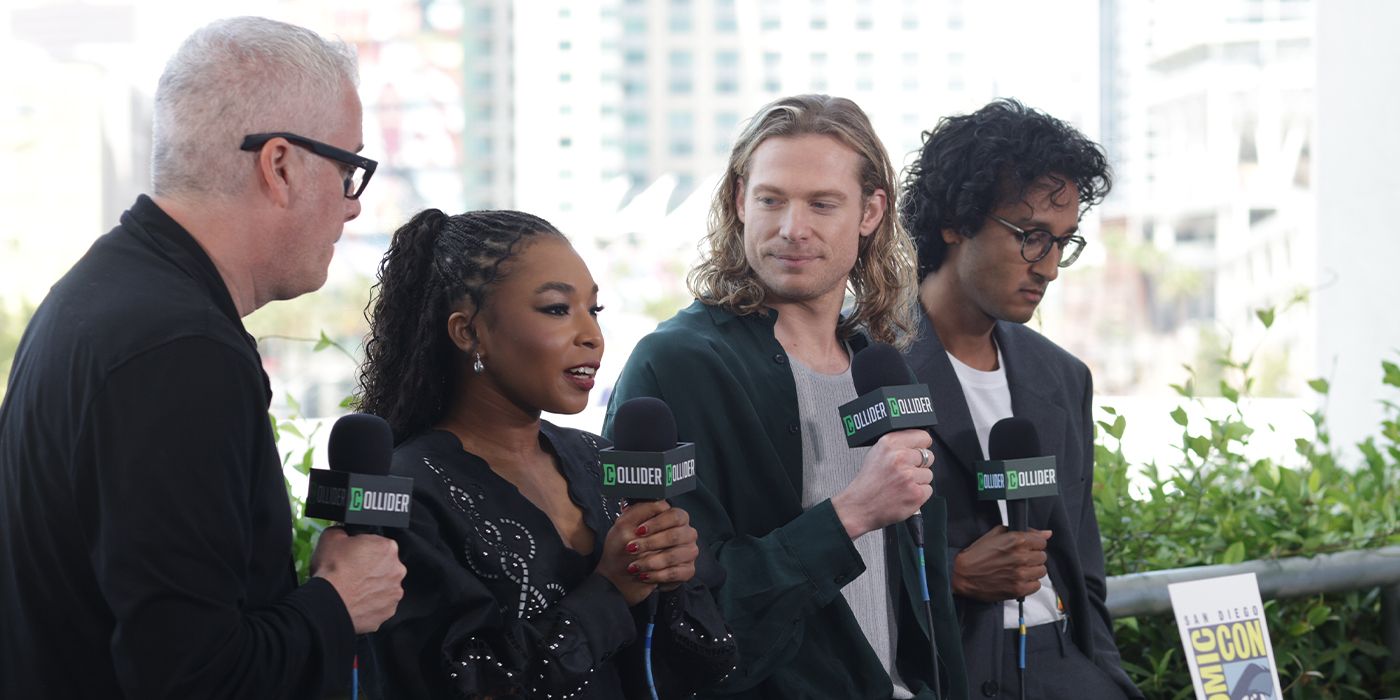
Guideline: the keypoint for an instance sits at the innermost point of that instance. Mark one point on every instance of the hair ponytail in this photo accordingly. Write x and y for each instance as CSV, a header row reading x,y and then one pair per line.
x,y
433,262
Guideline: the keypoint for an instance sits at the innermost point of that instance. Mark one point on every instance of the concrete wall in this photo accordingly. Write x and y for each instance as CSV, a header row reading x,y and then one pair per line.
x,y
1358,220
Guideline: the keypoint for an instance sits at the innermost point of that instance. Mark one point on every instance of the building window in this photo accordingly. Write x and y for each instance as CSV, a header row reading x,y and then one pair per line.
x,y
681,121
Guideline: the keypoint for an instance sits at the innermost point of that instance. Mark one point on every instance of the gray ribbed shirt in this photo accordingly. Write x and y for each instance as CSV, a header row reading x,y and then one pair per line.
x,y
828,466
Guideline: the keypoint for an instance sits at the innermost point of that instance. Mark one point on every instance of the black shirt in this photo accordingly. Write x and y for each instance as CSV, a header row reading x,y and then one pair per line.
x,y
146,548
495,603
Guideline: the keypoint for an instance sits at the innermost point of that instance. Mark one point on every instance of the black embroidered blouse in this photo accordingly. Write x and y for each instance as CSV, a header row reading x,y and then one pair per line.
x,y
496,605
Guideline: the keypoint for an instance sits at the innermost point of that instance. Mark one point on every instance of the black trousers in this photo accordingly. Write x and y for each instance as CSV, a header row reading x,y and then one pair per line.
x,y
1055,669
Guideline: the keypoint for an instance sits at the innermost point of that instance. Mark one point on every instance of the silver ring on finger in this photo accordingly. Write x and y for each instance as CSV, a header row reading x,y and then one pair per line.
x,y
925,458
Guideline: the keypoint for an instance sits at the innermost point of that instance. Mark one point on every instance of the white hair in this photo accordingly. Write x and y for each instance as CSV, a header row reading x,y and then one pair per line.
x,y
236,77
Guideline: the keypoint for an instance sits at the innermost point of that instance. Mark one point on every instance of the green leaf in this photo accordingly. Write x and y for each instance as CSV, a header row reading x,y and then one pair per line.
x,y
1109,410
1179,415
1233,554
1315,480
1229,392
306,461
1116,430
1266,316
1318,615
1319,385
287,427
323,343
1199,445
1392,373
347,402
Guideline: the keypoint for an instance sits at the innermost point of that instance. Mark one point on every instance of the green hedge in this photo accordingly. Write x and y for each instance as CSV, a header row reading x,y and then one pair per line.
x,y
1213,506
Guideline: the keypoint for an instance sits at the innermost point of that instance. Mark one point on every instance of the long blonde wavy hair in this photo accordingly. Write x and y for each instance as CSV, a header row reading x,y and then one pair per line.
x,y
884,280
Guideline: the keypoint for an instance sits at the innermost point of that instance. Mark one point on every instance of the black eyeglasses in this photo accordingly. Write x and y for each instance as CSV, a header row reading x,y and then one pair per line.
x,y
1035,243
357,168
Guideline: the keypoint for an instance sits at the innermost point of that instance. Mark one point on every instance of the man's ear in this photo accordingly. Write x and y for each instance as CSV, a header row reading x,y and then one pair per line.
x,y
874,213
275,166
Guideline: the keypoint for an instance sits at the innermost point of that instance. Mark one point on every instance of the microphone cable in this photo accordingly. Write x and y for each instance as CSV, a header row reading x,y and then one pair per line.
x,y
355,678
916,528
651,603
1023,507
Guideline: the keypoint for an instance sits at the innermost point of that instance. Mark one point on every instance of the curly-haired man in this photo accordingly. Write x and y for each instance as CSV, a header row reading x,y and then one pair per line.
x,y
993,204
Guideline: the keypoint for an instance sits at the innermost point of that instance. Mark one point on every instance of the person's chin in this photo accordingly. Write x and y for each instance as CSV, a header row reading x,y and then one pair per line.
x,y
1019,314
569,405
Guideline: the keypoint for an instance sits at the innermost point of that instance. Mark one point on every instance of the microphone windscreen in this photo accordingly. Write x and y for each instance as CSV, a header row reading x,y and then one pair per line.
x,y
879,364
1013,438
361,443
644,424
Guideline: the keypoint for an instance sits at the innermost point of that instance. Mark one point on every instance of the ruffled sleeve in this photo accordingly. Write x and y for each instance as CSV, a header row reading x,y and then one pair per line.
x,y
692,648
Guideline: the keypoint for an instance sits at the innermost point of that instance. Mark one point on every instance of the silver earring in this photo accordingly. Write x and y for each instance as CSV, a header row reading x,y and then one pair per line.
x,y
476,364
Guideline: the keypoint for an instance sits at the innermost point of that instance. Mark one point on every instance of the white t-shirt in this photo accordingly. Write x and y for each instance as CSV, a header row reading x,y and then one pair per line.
x,y
989,400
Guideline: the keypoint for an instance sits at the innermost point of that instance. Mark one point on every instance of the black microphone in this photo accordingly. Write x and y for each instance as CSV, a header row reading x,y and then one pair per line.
x,y
645,461
1015,470
357,489
889,397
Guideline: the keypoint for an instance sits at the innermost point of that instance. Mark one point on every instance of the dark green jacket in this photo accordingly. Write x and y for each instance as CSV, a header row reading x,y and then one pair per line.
x,y
728,382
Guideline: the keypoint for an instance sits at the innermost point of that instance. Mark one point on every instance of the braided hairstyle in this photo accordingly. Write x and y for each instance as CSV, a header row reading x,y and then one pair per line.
x,y
434,262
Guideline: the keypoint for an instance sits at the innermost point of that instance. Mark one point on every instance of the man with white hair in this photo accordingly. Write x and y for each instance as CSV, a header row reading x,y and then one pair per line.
x,y
147,533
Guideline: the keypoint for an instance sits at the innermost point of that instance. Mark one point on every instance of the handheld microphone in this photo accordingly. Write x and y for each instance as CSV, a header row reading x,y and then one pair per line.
x,y
645,461
357,489
1016,472
889,399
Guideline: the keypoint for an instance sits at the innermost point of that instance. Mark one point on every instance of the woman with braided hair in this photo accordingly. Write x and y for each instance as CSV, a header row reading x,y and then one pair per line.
x,y
524,579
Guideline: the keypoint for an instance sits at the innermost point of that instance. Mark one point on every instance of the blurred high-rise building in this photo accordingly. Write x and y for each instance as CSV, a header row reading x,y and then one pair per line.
x,y
1208,112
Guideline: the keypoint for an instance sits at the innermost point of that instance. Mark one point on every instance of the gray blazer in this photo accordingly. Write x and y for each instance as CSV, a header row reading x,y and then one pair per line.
x,y
1054,390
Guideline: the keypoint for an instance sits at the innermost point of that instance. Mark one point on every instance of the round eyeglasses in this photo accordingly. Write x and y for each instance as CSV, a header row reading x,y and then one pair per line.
x,y
1036,243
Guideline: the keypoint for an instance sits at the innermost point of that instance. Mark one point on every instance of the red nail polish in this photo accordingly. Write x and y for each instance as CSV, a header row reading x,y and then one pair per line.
x,y
641,530
632,568
644,577
632,547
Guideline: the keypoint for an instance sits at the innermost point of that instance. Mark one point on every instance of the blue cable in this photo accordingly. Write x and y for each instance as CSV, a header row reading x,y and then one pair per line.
x,y
646,657
916,528
923,575
355,679
1021,608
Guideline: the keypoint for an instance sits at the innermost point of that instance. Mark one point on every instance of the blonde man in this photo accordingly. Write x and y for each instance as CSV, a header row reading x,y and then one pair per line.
x,y
819,585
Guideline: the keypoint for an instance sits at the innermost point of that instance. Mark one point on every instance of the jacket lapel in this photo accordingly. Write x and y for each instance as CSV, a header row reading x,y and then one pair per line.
x,y
955,429
1032,397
